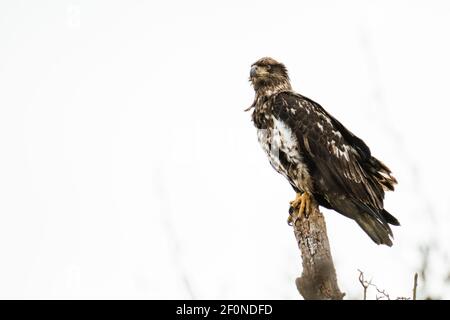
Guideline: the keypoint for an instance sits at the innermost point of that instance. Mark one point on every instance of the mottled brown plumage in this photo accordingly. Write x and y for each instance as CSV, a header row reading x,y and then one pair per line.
x,y
317,154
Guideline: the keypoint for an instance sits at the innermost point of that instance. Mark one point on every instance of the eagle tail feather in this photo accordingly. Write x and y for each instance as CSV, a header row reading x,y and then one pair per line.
x,y
376,230
390,218
373,221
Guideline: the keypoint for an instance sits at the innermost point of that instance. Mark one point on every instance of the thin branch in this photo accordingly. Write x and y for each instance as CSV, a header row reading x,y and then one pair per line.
x,y
383,293
415,286
318,280
364,283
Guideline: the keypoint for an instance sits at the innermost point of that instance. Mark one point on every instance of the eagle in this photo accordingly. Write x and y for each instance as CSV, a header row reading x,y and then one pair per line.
x,y
323,161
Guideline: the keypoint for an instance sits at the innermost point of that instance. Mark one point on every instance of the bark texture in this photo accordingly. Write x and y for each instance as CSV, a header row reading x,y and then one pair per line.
x,y
318,280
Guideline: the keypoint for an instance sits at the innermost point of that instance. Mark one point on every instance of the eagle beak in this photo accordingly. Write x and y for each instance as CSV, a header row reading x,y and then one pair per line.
x,y
253,72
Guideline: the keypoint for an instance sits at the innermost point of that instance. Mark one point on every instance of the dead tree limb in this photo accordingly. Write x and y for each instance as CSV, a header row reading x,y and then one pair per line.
x,y
365,284
318,280
415,286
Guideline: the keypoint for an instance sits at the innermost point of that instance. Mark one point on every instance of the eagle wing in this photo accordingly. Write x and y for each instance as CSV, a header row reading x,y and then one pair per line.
x,y
340,164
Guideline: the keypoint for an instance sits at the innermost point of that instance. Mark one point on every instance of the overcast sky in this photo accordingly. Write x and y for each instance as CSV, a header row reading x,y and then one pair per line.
x,y
128,168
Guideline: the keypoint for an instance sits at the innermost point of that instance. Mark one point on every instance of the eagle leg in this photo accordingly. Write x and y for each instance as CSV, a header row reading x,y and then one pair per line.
x,y
299,207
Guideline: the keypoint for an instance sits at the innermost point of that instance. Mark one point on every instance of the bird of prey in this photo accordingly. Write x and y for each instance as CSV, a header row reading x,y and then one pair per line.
x,y
322,160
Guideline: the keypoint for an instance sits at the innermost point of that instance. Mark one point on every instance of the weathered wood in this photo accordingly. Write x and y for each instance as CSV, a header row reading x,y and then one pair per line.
x,y
318,280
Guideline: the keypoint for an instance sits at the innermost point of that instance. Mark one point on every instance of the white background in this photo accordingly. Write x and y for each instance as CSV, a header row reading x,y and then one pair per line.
x,y
128,168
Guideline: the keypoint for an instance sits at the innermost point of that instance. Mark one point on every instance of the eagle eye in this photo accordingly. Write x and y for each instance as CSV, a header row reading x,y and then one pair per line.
x,y
268,67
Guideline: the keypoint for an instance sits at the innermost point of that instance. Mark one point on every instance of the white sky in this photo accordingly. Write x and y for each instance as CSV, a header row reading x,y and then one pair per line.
x,y
128,168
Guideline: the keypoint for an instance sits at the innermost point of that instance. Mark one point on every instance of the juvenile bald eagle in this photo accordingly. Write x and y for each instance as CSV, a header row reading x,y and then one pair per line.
x,y
322,160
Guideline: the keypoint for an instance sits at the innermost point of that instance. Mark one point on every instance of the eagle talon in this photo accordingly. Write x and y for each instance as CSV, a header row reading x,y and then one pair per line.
x,y
290,220
291,210
300,207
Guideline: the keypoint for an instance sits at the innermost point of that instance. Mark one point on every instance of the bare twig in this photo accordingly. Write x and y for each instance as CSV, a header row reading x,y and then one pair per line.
x,y
364,283
415,286
382,293
318,280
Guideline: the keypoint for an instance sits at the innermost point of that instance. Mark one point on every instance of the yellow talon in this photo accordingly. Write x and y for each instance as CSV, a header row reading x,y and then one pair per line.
x,y
299,206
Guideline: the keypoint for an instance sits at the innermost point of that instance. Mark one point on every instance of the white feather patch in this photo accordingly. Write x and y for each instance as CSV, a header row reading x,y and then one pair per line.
x,y
340,151
281,138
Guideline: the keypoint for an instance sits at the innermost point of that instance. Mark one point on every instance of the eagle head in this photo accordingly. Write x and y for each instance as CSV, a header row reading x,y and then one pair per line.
x,y
269,74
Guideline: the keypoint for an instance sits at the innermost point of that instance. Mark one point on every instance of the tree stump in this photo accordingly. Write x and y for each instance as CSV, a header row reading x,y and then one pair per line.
x,y
318,280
